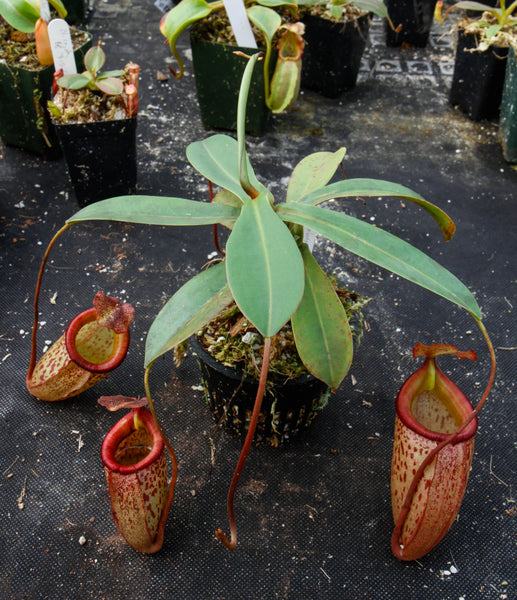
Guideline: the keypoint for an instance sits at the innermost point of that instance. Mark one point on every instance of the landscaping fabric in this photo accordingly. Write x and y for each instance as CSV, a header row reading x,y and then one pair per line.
x,y
314,516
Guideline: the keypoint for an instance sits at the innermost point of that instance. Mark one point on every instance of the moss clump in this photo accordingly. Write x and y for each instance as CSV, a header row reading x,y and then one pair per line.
x,y
234,342
17,48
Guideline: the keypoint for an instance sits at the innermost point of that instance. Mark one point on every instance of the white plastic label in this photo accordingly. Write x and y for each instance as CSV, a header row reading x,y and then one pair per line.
x,y
44,10
62,47
240,23
164,5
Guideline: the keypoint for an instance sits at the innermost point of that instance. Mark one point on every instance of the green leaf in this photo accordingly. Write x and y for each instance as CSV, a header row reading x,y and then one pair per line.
x,y
320,327
74,81
217,159
468,5
273,3
227,198
60,8
377,187
336,11
113,73
374,6
267,20
110,86
243,162
196,303
20,14
383,249
493,30
156,210
264,266
179,18
313,172
94,59
54,110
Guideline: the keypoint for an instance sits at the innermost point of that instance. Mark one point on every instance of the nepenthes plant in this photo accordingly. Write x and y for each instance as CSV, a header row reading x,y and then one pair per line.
x,y
269,271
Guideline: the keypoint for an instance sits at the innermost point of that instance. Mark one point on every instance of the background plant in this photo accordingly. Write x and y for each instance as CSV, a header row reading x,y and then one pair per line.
x,y
108,82
336,8
496,26
281,89
103,94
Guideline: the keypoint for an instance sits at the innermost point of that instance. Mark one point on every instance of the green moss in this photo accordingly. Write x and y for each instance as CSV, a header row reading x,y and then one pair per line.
x,y
234,342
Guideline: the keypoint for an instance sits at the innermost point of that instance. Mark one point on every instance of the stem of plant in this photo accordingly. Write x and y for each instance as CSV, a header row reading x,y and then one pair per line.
x,y
33,358
215,229
221,536
399,525
170,497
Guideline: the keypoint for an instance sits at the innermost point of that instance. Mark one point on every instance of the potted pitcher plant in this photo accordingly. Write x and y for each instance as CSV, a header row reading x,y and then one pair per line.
x,y
26,73
268,275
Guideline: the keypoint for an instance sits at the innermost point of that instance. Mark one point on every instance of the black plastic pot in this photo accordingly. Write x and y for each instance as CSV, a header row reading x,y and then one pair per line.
x,y
416,18
508,120
332,54
24,118
478,78
101,158
218,73
77,11
288,407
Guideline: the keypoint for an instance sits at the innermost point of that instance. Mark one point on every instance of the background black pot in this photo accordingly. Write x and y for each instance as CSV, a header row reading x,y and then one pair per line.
x,y
416,18
332,54
101,158
218,73
477,82
288,407
508,121
24,119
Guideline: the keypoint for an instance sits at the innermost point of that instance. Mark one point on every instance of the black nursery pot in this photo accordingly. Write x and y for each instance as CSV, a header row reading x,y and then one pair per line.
x,y
478,79
218,73
288,407
24,118
508,121
416,18
332,54
101,158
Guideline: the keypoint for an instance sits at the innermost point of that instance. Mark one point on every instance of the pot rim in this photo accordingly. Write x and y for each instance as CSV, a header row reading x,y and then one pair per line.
x,y
236,375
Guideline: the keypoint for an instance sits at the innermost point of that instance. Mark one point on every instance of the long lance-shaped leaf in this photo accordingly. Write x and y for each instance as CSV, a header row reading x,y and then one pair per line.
x,y
197,302
217,159
320,327
155,210
378,187
312,173
383,249
264,266
479,6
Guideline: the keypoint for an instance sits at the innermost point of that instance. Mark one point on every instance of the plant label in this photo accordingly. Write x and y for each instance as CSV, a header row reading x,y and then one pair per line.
x,y
240,23
44,10
164,5
309,237
62,47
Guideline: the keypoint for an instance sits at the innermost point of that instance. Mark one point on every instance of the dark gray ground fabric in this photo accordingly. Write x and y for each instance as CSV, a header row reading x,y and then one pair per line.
x,y
314,517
